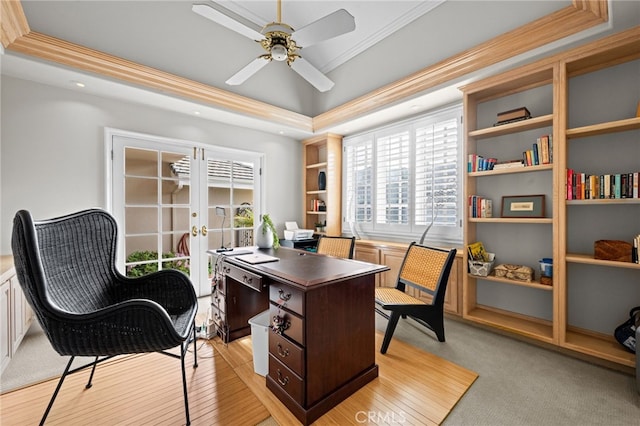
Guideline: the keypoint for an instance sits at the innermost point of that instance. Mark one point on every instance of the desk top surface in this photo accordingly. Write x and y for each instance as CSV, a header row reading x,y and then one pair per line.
x,y
306,269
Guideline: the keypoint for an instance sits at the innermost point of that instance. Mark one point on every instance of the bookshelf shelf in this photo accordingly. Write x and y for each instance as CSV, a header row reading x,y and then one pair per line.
x,y
542,220
589,260
527,169
603,201
515,323
604,128
317,165
532,284
518,126
600,346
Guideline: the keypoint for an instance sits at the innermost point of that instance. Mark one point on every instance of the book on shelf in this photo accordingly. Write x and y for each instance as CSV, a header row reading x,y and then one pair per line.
x,y
510,116
508,164
477,163
480,207
635,253
477,252
583,186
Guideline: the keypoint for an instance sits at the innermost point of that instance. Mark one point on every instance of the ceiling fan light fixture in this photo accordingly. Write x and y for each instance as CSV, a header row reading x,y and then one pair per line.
x,y
279,52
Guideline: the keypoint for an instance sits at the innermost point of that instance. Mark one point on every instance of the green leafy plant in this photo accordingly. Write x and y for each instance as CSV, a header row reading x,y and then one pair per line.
x,y
152,257
269,224
244,219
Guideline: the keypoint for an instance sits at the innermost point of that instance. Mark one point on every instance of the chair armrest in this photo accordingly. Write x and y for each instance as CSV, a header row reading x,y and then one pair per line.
x,y
170,288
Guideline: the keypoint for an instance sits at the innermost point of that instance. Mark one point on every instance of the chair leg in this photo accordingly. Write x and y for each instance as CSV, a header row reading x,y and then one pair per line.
x,y
183,351
55,393
93,370
391,326
195,355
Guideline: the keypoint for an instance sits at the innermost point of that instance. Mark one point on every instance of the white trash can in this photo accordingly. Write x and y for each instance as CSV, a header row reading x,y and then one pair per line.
x,y
260,342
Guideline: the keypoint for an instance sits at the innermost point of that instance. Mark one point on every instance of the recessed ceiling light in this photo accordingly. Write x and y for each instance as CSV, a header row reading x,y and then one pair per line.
x,y
196,112
282,132
78,83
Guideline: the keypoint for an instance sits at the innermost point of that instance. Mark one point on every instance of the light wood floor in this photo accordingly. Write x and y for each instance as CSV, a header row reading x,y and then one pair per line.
x,y
414,387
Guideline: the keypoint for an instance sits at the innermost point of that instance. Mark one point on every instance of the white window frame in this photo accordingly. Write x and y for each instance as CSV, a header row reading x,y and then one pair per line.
x,y
445,229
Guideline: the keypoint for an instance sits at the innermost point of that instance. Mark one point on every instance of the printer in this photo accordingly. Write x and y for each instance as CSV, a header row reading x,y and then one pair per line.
x,y
293,233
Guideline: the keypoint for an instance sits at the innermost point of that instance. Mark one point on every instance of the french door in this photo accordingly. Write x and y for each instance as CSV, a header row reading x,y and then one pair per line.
x,y
174,201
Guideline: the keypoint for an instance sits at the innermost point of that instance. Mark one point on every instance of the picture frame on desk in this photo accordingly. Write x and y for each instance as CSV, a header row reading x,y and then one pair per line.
x,y
523,206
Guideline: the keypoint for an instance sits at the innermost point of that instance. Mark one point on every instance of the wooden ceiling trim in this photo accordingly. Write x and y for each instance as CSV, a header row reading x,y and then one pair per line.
x,y
63,52
582,15
14,23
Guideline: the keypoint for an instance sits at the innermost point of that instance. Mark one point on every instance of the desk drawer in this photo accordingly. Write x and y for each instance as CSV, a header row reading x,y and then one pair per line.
x,y
243,276
293,324
218,302
287,380
287,296
287,352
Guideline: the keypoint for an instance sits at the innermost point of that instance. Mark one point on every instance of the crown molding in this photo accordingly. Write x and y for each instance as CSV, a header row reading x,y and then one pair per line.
x,y
582,15
14,23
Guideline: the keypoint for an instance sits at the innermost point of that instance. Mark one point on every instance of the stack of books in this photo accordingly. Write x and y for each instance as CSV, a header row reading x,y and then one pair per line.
x,y
512,116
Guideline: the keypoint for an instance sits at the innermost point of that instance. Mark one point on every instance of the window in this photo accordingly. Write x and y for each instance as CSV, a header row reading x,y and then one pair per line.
x,y
405,178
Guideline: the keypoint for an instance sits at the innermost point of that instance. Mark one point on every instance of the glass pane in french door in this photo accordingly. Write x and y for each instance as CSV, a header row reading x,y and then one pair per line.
x,y
230,201
157,211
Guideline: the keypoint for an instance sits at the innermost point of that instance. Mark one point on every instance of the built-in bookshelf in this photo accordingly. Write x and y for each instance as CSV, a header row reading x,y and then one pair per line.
x,y
588,296
483,102
613,131
322,153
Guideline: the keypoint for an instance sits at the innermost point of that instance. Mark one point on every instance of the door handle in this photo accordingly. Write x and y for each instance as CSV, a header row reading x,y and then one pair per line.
x,y
194,231
204,230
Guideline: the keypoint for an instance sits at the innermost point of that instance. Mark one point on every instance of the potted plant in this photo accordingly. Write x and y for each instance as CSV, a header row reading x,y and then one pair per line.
x,y
320,226
267,235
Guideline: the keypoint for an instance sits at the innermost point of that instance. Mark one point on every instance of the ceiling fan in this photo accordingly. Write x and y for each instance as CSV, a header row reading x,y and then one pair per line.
x,y
280,40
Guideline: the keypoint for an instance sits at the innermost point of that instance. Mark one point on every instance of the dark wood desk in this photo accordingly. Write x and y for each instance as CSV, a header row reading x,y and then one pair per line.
x,y
326,349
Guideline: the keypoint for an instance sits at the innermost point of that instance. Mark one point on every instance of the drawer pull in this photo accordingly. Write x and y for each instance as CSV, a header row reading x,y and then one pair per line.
x,y
283,353
282,380
284,297
279,324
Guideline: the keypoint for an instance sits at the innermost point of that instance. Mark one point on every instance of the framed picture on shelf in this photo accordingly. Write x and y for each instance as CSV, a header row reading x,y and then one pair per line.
x,y
519,206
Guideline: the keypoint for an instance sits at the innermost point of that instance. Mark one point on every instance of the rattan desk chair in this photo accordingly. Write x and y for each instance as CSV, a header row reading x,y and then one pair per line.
x,y
336,246
66,268
424,272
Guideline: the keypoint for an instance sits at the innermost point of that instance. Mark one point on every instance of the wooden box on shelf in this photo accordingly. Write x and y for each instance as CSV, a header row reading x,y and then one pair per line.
x,y
619,251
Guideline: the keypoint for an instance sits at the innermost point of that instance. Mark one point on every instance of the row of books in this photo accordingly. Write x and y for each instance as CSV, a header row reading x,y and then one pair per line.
x,y
317,205
480,206
583,186
540,153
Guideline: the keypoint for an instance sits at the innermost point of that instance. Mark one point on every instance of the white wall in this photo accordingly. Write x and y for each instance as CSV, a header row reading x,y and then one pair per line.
x,y
52,151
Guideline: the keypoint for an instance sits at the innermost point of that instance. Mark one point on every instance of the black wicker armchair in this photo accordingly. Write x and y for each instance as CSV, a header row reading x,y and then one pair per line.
x,y
66,267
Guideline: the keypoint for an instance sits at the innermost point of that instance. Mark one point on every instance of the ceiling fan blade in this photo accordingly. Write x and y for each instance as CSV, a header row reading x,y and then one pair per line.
x,y
334,24
229,19
246,72
312,75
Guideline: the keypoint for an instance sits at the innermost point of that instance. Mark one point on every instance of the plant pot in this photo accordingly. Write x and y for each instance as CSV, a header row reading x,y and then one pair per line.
x,y
264,236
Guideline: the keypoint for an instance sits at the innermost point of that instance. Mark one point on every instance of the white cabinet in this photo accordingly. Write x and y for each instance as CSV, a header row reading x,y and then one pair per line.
x,y
15,313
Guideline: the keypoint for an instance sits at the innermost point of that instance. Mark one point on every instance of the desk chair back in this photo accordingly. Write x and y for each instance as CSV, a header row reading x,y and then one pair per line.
x,y
424,271
337,246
